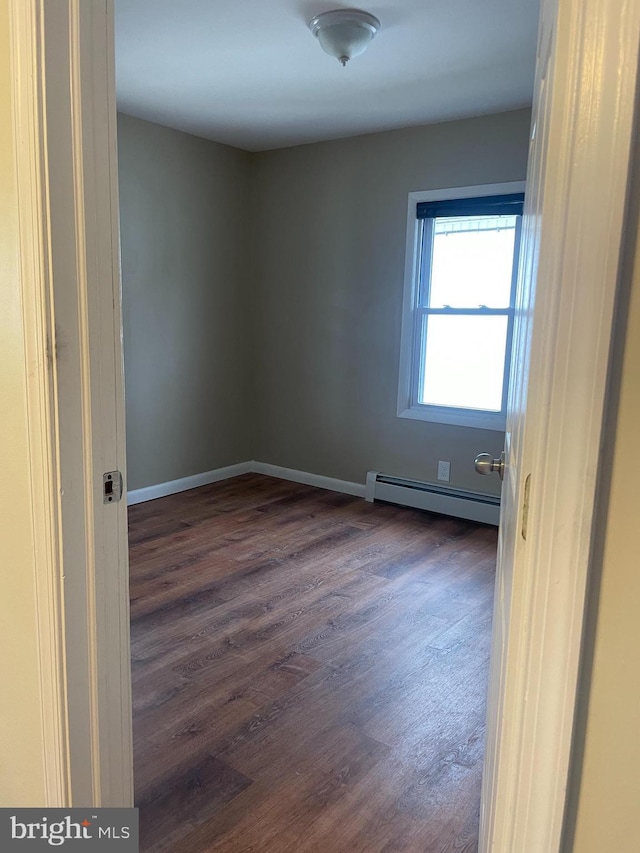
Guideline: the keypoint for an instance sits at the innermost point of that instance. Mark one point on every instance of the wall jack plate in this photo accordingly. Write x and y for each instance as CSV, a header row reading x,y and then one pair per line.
x,y
444,471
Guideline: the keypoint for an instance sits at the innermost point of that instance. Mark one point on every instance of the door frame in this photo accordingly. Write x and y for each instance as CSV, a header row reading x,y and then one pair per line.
x,y
64,131
590,51
84,649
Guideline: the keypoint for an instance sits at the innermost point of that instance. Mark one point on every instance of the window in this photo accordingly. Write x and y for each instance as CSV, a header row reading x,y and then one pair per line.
x,y
460,281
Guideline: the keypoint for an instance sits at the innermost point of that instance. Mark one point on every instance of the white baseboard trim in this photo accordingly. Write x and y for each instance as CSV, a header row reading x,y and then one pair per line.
x,y
150,493
333,485
370,491
161,490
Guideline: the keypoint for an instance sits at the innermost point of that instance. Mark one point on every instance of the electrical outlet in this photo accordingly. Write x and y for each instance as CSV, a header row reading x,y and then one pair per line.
x,y
444,471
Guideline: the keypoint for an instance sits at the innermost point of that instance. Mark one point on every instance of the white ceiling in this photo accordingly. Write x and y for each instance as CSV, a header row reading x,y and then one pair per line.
x,y
250,74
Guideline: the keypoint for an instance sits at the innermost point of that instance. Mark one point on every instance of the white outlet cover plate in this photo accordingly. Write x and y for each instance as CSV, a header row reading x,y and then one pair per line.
x,y
444,471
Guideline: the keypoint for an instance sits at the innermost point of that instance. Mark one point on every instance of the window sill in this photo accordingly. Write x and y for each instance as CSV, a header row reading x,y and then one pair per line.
x,y
475,420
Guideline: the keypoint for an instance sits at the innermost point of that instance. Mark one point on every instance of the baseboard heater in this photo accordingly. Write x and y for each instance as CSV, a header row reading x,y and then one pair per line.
x,y
447,501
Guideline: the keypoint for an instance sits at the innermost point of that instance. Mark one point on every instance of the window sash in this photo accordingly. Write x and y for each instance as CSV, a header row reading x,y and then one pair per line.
x,y
422,310
480,311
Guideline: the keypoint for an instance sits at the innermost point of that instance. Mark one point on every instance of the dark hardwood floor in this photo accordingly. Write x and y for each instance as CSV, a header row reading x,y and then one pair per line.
x,y
309,672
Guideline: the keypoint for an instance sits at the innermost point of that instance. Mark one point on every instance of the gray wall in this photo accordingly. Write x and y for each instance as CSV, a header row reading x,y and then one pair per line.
x,y
263,294
329,247
183,209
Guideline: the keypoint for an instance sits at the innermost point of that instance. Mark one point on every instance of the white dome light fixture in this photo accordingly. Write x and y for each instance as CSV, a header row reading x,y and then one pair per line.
x,y
344,33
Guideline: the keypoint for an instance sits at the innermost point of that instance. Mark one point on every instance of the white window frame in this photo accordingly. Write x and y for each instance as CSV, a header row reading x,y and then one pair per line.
x,y
411,338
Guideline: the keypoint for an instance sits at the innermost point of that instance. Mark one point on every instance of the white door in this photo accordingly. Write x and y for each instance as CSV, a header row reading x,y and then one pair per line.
x,y
578,164
516,471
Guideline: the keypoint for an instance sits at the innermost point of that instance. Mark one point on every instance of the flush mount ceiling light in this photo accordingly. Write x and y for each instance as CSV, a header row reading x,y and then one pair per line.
x,y
344,33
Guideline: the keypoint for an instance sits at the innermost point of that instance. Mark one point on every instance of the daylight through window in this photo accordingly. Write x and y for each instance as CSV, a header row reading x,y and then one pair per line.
x,y
463,308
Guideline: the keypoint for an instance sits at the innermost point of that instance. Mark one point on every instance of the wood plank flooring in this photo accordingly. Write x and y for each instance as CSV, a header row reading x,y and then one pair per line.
x,y
309,672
